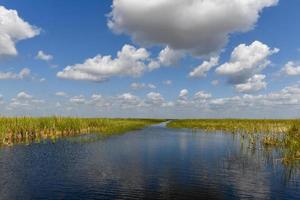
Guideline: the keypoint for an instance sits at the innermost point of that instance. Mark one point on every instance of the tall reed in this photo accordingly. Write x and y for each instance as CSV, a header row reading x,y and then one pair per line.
x,y
27,129
283,134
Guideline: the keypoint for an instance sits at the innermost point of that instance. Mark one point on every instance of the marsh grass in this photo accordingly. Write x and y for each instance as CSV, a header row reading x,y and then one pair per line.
x,y
28,130
281,134
236,125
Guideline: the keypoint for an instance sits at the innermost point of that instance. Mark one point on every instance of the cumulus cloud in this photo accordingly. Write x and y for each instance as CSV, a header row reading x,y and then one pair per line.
x,y
43,56
183,96
128,100
96,97
201,70
129,62
183,93
201,99
291,69
23,95
155,99
24,73
253,84
289,96
13,29
24,100
78,99
201,27
100,101
167,57
245,61
202,95
245,65
282,103
138,86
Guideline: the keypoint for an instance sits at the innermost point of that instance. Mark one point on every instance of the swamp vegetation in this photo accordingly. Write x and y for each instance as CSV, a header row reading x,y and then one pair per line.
x,y
28,130
279,134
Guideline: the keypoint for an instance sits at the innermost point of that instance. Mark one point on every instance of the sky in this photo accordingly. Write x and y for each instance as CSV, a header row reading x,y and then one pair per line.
x,y
150,58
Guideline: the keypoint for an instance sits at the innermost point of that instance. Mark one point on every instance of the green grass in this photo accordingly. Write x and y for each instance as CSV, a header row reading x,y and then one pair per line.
x,y
283,134
236,125
28,130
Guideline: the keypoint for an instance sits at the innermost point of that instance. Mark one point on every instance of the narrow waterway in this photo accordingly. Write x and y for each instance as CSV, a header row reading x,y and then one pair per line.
x,y
153,163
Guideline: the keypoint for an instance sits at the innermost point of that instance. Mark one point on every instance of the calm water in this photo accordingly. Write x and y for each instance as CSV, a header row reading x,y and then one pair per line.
x,y
154,163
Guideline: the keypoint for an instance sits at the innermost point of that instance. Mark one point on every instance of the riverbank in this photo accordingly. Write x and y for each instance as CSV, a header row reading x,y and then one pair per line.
x,y
28,130
283,134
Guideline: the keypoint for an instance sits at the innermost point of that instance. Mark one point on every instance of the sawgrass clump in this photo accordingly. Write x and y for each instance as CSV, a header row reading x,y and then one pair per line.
x,y
17,130
236,125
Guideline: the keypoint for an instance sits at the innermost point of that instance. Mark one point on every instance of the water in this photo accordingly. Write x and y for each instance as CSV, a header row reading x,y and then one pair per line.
x,y
154,163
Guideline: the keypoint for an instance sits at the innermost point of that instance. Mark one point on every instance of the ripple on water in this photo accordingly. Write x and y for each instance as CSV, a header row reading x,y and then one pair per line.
x,y
154,163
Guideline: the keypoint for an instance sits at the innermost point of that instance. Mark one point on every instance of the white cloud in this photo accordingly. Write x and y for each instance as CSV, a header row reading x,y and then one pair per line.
x,y
201,27
291,69
200,100
167,57
183,96
24,73
155,99
138,86
202,95
101,101
151,86
13,29
167,82
61,94
43,56
246,61
201,70
24,100
96,97
277,104
78,99
129,62
183,93
289,96
253,84
128,100
23,95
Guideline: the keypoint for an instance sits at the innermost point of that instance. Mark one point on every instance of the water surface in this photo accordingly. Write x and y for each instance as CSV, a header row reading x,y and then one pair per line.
x,y
154,163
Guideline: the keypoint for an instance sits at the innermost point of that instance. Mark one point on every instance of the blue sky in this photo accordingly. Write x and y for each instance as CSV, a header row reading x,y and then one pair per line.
x,y
152,77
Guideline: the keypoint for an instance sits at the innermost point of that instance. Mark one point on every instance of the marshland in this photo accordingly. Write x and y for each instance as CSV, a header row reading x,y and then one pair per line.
x,y
27,130
280,134
224,158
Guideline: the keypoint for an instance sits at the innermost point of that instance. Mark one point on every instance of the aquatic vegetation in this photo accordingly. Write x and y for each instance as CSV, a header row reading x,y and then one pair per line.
x,y
282,134
27,129
291,145
236,125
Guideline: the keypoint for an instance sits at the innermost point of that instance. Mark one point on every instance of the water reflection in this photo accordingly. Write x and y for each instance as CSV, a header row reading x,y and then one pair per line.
x,y
155,163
